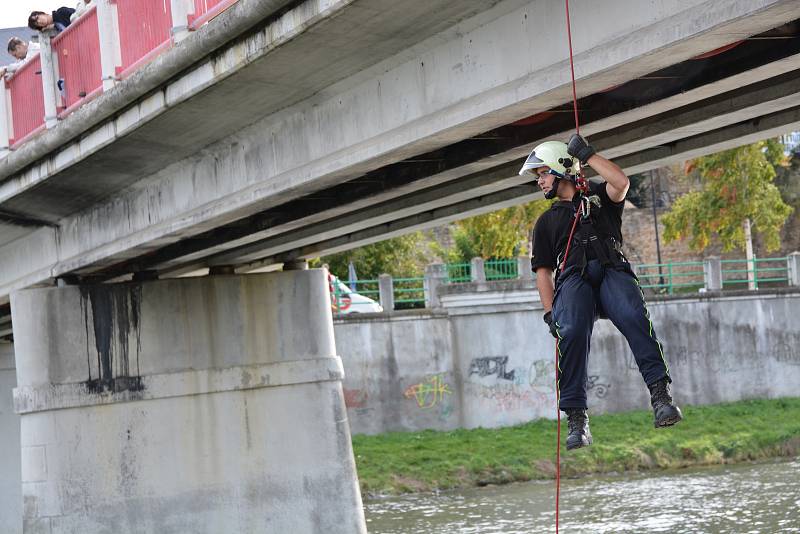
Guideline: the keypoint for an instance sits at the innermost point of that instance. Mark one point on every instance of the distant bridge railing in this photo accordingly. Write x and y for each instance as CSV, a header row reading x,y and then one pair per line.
x,y
693,276
673,278
107,43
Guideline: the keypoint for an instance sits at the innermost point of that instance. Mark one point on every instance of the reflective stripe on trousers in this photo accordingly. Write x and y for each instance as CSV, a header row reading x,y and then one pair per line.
x,y
613,292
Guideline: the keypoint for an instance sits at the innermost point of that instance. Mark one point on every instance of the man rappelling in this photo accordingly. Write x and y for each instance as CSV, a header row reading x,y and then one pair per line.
x,y
579,241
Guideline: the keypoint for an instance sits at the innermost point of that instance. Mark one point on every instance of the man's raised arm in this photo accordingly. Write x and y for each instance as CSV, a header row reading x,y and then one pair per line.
x,y
609,171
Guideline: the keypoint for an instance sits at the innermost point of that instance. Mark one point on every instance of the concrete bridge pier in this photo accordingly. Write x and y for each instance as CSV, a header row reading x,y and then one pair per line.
x,y
10,491
200,405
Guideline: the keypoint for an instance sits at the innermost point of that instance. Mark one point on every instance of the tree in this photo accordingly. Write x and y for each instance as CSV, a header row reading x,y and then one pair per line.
x,y
399,256
499,234
737,191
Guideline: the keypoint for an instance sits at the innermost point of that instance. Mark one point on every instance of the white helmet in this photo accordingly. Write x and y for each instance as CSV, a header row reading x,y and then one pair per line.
x,y
552,154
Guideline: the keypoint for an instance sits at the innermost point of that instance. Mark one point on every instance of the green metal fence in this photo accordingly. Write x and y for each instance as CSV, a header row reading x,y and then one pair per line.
x,y
764,271
671,278
666,278
368,288
501,269
409,293
459,272
342,301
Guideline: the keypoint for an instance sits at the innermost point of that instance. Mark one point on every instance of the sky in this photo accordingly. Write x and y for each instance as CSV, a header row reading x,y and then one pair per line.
x,y
15,13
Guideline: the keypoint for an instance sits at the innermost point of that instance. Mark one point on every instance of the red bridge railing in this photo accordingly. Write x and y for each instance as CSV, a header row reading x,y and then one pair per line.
x,y
78,51
205,10
27,101
144,31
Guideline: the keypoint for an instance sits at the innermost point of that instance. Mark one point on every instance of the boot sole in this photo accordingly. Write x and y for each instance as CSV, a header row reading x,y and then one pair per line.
x,y
578,445
669,421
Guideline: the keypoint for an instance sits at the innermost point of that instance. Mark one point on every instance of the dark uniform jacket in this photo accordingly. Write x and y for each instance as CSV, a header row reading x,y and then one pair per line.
x,y
552,230
61,18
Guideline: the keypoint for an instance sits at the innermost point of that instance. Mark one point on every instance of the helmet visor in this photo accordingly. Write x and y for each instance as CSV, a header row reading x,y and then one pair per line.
x,y
530,164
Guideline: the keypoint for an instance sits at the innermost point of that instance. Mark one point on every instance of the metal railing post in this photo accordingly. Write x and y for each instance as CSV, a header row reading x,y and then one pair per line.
x,y
793,268
755,272
110,48
477,270
5,119
386,292
181,9
712,273
49,78
669,275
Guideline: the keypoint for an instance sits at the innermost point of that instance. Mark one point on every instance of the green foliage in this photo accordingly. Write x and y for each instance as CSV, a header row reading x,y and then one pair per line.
x,y
403,256
737,184
499,234
425,461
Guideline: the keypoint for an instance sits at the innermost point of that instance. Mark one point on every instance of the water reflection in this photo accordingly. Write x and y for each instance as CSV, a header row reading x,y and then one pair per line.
x,y
762,498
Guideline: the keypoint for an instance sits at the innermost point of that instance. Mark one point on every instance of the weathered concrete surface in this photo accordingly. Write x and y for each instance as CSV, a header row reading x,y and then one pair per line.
x,y
10,468
489,70
400,372
487,360
194,405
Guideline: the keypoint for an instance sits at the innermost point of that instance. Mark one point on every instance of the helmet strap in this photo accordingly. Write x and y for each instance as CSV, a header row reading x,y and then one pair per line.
x,y
554,189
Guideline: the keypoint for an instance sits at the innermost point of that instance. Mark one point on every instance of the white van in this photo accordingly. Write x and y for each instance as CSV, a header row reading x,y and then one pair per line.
x,y
345,301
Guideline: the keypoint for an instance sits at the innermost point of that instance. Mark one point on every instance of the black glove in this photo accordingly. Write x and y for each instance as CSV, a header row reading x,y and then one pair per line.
x,y
577,147
548,318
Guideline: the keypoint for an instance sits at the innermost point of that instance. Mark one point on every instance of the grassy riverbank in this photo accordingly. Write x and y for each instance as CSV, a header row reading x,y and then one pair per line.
x,y
725,433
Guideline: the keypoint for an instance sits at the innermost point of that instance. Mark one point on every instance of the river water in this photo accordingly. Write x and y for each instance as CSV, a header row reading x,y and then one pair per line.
x,y
754,498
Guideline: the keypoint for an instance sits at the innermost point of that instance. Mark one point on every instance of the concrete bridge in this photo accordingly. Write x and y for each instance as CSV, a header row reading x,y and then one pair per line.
x,y
282,130
278,131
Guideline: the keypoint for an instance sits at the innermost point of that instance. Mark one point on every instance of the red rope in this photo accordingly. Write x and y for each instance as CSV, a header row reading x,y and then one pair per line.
x,y
581,182
582,186
572,70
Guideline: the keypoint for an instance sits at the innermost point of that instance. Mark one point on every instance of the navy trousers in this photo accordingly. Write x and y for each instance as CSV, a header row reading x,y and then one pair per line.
x,y
613,292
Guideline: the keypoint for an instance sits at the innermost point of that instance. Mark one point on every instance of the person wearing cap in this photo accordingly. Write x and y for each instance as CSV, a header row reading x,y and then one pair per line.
x,y
592,280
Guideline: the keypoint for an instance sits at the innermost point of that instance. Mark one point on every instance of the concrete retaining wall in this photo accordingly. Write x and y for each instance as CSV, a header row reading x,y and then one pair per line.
x,y
486,358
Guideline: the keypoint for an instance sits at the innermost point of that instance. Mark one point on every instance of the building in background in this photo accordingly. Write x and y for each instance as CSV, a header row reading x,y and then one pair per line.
x,y
791,140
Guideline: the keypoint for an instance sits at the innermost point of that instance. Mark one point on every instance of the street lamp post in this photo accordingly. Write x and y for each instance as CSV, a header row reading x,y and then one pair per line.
x,y
655,224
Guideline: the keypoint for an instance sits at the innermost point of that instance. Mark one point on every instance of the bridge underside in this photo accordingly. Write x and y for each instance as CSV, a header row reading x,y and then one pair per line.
x,y
390,150
697,107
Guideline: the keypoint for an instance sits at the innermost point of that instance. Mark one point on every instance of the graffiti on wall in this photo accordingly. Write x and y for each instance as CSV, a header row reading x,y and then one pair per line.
x,y
511,397
542,376
491,366
355,398
599,389
429,393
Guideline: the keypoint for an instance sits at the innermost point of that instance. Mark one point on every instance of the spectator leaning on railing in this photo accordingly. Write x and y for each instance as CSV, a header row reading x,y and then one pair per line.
x,y
59,20
22,52
80,9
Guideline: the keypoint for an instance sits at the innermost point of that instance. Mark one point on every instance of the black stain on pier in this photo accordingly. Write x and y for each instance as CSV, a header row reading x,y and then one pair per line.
x,y
115,317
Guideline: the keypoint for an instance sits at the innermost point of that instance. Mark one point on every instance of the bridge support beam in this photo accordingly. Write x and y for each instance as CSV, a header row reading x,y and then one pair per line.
x,y
10,490
201,405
